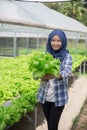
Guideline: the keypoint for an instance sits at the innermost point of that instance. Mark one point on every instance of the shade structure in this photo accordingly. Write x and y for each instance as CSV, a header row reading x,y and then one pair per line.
x,y
22,21
37,15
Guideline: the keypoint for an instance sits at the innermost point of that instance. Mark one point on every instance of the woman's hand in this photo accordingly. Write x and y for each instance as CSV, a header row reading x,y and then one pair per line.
x,y
51,76
48,76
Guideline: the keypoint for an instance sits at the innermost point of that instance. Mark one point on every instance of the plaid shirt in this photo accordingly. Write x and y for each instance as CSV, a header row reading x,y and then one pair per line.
x,y
60,86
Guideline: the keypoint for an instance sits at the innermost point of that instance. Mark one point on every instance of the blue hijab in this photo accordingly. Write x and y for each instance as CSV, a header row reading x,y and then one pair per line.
x,y
61,53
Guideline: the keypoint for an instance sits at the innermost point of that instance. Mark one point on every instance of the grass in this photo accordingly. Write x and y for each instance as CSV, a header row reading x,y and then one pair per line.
x,y
84,75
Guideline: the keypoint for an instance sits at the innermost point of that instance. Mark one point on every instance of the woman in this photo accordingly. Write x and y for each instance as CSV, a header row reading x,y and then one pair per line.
x,y
53,91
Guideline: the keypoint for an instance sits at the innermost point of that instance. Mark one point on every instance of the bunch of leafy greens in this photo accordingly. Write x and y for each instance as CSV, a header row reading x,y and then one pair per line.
x,y
41,63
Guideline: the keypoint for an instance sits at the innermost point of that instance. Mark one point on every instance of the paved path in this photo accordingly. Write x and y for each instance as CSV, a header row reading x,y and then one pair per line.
x,y
77,95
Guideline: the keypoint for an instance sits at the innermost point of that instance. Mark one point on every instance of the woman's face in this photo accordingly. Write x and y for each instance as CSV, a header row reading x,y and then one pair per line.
x,y
56,43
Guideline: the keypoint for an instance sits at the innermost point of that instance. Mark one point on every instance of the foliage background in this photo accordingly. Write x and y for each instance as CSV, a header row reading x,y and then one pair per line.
x,y
76,9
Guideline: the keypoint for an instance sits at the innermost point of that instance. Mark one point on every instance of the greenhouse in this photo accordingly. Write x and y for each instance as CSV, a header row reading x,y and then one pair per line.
x,y
24,27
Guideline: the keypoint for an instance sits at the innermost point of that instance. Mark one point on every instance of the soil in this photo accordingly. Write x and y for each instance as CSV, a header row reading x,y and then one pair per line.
x,y
80,122
77,96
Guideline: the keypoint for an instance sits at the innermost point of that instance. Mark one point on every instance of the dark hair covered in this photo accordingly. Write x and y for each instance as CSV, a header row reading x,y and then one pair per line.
x,y
61,53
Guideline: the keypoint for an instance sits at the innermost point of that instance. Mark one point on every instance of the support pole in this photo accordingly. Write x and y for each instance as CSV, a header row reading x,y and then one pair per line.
x,y
14,45
35,117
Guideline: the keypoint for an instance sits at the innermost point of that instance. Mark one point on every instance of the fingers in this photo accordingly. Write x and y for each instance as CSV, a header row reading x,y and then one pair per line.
x,y
48,76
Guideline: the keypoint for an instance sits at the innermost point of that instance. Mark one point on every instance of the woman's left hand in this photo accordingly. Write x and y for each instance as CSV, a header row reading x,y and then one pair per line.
x,y
48,76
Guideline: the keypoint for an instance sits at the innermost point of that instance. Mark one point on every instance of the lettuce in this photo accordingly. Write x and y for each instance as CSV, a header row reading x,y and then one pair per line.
x,y
41,63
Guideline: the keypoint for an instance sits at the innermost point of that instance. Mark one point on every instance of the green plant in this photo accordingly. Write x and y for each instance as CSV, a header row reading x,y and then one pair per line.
x,y
41,63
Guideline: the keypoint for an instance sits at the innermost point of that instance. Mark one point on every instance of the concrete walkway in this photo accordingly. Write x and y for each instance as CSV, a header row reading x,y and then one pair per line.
x,y
77,95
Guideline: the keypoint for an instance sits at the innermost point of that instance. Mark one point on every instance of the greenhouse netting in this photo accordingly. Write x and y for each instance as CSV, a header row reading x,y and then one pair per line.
x,y
26,25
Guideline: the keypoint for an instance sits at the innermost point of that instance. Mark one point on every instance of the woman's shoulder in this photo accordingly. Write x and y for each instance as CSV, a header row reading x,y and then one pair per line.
x,y
68,55
68,58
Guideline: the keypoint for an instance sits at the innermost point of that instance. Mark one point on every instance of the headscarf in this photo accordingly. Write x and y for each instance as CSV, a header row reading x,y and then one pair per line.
x,y
61,53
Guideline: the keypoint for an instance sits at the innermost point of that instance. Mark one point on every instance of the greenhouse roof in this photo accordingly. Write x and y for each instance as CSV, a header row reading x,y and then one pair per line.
x,y
37,15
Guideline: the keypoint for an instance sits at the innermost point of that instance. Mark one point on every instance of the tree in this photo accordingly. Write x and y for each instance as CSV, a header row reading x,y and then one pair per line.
x,y
74,9
85,3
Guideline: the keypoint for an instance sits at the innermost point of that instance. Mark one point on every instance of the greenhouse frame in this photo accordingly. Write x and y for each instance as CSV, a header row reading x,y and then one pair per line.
x,y
31,20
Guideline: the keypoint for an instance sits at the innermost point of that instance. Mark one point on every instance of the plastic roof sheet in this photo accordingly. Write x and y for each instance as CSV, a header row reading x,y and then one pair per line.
x,y
37,15
46,0
10,30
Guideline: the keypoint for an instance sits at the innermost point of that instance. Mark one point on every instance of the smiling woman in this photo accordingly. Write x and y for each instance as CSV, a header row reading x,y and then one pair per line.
x,y
53,94
56,43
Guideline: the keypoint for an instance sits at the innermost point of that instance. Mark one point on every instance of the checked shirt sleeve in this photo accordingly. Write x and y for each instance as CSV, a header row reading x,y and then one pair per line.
x,y
66,67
